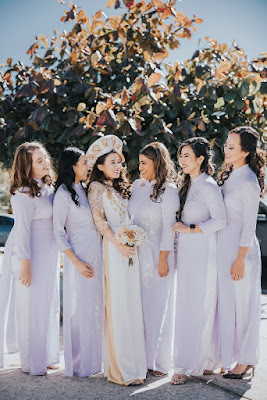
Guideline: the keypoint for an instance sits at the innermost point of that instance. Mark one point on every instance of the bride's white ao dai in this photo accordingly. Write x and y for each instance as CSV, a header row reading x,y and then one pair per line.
x,y
124,355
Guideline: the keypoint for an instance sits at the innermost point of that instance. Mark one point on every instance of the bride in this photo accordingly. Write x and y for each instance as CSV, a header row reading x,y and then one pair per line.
x,y
109,191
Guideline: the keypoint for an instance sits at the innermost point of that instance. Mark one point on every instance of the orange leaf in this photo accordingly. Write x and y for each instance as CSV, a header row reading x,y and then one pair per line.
x,y
9,61
161,55
81,107
81,17
99,14
153,79
100,107
74,56
128,3
223,47
212,142
44,41
110,3
124,97
187,33
158,3
7,76
225,66
179,16
114,22
198,20
110,103
178,73
165,13
213,43
201,126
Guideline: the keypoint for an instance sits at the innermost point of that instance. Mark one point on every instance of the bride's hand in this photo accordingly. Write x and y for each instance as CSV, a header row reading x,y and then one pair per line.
x,y
125,250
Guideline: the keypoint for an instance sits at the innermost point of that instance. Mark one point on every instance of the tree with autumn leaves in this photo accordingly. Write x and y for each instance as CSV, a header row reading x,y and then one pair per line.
x,y
109,75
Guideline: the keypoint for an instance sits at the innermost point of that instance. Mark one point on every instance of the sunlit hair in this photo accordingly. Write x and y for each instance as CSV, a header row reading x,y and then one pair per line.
x,y
121,184
256,158
163,167
200,147
21,173
67,159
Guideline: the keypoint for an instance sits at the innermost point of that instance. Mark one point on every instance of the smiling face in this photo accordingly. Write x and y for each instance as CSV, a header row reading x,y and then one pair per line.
x,y
40,163
233,151
147,168
81,169
111,167
189,163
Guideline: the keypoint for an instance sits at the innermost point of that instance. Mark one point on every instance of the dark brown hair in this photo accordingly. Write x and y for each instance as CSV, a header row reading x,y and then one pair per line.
x,y
21,173
121,184
163,167
200,147
255,159
67,159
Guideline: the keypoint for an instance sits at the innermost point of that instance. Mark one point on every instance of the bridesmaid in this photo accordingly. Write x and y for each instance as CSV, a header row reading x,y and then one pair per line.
x,y
77,237
239,263
125,361
201,215
153,204
30,264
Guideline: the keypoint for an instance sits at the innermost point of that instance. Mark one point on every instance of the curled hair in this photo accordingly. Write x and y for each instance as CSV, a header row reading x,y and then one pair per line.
x,y
163,167
255,159
121,184
21,173
200,147
67,159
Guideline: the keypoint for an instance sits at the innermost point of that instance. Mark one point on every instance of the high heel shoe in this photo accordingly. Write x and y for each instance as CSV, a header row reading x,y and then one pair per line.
x,y
231,375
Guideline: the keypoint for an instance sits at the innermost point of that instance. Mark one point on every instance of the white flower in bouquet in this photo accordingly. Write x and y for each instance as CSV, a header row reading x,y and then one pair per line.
x,y
131,235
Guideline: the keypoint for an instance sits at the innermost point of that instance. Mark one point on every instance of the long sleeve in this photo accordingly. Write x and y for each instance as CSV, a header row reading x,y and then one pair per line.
x,y
60,213
250,195
215,203
95,197
170,205
23,210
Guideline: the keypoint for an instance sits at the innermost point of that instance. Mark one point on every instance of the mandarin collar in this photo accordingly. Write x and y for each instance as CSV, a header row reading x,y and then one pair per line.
x,y
240,170
108,182
144,182
198,178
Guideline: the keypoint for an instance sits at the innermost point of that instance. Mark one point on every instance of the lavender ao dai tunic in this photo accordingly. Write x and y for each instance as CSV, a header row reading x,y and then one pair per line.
x,y
157,219
239,301
83,309
197,278
36,308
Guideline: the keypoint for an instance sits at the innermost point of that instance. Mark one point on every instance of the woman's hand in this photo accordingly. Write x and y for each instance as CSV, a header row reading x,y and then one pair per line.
x,y
85,269
163,268
25,272
125,250
179,227
237,269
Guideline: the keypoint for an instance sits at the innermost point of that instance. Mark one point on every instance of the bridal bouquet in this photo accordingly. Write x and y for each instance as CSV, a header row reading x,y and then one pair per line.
x,y
130,234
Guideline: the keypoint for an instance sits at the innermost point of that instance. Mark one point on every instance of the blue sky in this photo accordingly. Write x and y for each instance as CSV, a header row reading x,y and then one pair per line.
x,y
226,20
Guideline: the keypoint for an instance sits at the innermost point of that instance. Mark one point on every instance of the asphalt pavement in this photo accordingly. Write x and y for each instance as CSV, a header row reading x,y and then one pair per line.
x,y
16,385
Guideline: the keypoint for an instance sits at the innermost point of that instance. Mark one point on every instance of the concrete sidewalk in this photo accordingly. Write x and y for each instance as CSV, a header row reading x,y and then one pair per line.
x,y
15,385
